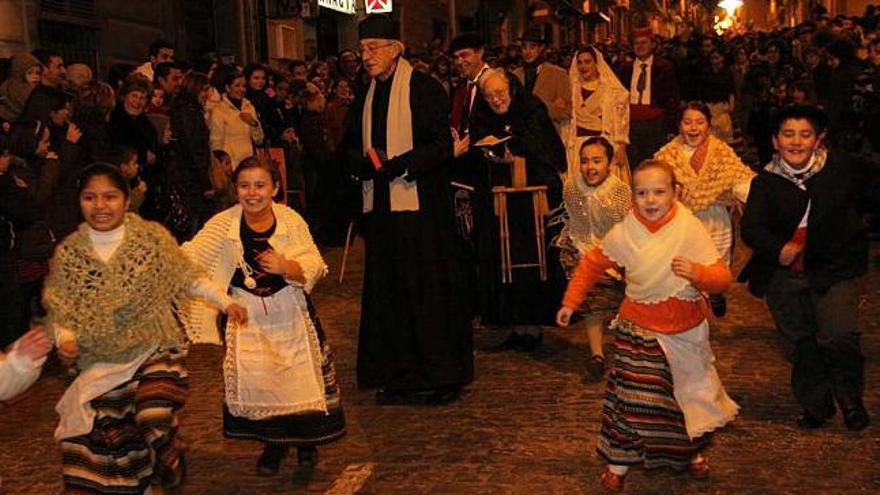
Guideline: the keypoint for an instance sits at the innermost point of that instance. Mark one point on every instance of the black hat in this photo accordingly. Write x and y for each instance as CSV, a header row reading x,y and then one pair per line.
x,y
535,34
466,40
379,26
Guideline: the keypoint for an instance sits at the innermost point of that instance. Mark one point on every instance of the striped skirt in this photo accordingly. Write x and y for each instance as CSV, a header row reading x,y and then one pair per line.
x,y
641,422
134,438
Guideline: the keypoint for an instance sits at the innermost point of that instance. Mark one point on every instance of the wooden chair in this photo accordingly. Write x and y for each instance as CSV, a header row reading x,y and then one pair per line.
x,y
540,209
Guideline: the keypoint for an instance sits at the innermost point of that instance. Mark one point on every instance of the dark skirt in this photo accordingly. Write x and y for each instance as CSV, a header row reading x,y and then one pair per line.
x,y
641,422
300,430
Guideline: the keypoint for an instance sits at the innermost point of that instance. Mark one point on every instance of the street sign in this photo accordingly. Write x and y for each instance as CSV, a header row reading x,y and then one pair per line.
x,y
378,6
344,6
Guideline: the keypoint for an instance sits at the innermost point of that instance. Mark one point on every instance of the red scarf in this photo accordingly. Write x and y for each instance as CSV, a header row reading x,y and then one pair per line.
x,y
699,156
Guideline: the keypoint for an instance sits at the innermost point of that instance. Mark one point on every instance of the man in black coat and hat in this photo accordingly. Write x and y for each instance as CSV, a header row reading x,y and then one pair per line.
x,y
415,342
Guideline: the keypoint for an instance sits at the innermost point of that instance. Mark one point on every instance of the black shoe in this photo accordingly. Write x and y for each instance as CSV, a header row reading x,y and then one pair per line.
x,y
173,479
386,397
595,368
307,456
718,304
808,422
512,343
400,397
442,396
529,343
270,460
855,416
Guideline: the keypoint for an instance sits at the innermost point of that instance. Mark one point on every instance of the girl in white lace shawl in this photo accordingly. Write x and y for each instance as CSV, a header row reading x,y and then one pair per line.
x,y
600,107
595,200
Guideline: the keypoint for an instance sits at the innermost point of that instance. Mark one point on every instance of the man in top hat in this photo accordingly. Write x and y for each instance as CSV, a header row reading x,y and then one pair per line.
x,y
467,52
654,98
415,334
547,81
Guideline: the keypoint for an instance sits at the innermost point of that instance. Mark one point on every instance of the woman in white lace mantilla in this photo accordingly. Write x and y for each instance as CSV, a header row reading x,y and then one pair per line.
x,y
600,107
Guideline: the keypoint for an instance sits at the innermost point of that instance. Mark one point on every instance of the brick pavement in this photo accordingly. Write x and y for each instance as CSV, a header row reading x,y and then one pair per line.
x,y
527,425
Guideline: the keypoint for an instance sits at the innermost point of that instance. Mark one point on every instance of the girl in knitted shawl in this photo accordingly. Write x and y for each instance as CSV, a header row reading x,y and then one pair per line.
x,y
663,394
713,179
595,200
112,293
280,380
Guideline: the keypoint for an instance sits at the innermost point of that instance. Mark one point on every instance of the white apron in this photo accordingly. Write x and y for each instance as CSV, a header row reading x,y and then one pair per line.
x,y
273,363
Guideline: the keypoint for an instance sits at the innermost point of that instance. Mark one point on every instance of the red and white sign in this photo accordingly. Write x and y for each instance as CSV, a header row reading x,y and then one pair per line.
x,y
378,6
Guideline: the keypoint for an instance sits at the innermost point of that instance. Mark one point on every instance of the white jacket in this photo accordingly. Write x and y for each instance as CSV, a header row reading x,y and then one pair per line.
x,y
218,249
231,134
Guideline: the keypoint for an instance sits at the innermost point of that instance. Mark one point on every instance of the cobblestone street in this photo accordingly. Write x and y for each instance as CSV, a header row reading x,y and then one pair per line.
x,y
527,425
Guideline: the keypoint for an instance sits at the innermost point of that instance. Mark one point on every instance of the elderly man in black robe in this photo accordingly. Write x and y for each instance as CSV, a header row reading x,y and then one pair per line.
x,y
415,342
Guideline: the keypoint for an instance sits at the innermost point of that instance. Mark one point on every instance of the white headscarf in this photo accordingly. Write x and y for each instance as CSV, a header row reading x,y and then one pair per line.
x,y
614,101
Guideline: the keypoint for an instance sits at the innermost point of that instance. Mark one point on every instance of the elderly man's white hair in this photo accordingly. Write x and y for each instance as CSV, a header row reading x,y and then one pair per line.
x,y
492,74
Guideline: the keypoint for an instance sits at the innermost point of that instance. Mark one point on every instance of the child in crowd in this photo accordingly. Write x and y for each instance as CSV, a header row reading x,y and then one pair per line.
x,y
126,158
663,393
157,101
595,200
222,192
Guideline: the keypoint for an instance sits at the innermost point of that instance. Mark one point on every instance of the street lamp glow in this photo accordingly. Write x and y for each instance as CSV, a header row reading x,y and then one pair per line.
x,y
730,6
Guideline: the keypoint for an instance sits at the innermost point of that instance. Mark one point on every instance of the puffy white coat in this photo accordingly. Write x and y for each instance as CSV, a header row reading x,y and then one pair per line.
x,y
231,134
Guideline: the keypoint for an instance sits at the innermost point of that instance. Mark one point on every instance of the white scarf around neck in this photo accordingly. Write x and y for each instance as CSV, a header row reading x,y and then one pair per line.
x,y
799,177
398,138
647,256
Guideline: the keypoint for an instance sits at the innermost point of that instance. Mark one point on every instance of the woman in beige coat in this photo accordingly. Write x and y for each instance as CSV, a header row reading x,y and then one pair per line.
x,y
233,122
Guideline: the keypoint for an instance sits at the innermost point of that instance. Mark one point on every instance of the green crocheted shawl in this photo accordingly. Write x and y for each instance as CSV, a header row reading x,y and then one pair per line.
x,y
119,309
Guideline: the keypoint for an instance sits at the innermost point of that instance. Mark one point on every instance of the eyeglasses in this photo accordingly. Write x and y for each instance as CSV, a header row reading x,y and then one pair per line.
x,y
371,49
496,96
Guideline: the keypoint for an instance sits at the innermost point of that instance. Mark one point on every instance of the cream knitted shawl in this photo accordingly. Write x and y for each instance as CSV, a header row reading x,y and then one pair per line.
x,y
121,308
646,256
217,248
716,179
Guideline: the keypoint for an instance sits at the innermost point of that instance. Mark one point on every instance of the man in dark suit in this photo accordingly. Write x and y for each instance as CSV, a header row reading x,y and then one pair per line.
x,y
654,98
467,53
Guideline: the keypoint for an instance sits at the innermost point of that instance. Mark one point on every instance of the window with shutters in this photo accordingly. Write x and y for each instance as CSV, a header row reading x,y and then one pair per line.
x,y
74,42
69,27
79,9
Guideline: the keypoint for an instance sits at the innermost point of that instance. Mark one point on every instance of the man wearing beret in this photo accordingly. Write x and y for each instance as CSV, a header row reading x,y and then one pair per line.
x,y
415,342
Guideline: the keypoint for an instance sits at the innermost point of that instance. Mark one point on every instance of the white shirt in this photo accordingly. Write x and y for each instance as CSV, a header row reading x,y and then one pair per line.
x,y
146,70
634,82
474,85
